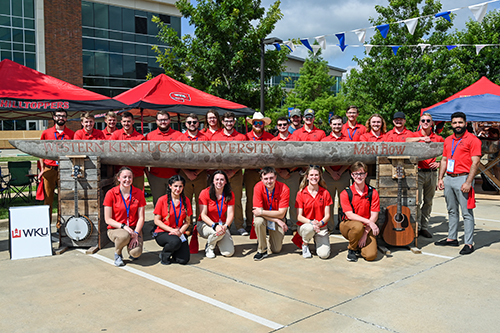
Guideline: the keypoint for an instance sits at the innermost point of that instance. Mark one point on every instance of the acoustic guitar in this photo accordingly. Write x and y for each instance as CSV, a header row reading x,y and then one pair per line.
x,y
397,229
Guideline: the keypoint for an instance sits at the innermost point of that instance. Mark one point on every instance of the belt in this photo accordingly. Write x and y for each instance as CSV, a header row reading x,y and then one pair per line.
x,y
427,170
457,174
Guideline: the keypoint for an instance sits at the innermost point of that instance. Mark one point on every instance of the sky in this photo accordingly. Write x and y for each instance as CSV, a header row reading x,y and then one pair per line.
x,y
311,18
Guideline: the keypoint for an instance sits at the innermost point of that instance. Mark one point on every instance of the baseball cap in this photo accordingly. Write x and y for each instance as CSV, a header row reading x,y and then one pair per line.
x,y
309,112
399,114
295,112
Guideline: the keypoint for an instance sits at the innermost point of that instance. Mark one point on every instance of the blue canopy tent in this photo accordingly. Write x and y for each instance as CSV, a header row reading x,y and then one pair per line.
x,y
484,107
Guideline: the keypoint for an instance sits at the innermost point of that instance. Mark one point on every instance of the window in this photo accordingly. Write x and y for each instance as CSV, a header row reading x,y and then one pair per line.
x,y
141,25
141,70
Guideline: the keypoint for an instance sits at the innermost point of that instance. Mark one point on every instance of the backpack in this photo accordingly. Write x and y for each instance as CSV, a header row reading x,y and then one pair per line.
x,y
341,214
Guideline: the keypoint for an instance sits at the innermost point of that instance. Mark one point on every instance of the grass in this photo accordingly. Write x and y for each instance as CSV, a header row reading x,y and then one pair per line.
x,y
19,202
18,158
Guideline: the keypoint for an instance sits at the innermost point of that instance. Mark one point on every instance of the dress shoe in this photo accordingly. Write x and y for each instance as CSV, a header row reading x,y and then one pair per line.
x,y
445,242
467,249
425,234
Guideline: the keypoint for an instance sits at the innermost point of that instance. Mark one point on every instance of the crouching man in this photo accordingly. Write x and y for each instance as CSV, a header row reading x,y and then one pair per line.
x,y
360,207
270,204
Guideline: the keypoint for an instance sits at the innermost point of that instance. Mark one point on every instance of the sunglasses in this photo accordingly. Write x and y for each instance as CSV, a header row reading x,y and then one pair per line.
x,y
309,117
358,174
282,125
259,123
192,122
425,120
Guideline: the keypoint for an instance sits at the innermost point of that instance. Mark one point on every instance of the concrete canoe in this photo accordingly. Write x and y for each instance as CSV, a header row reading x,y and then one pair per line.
x,y
227,154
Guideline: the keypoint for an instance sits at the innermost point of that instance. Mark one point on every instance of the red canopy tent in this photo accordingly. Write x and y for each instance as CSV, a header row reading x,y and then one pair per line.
x,y
165,93
480,87
28,94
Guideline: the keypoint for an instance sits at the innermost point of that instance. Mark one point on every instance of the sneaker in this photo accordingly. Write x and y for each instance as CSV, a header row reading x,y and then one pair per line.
x,y
209,253
351,255
445,242
119,260
163,262
305,251
358,253
259,256
243,232
467,249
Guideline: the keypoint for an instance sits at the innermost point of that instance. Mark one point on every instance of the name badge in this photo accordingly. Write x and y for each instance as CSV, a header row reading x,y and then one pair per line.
x,y
183,238
450,167
271,225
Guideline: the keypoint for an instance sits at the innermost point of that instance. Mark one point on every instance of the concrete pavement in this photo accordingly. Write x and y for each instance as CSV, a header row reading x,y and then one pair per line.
x,y
438,290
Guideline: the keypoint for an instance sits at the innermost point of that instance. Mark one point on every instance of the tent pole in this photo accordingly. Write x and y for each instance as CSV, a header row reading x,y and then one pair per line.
x,y
179,122
142,121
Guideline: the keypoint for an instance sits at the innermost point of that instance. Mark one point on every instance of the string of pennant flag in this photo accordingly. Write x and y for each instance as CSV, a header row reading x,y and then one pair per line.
x,y
478,10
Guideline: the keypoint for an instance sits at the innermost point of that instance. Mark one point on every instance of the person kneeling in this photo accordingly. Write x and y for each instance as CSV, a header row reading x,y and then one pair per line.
x,y
360,204
217,212
172,217
270,204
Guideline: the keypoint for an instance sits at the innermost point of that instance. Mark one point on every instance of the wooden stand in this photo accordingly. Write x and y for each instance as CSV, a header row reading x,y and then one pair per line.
x,y
387,187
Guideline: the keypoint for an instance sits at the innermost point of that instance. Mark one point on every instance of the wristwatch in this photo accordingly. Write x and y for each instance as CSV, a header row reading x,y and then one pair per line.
x,y
123,225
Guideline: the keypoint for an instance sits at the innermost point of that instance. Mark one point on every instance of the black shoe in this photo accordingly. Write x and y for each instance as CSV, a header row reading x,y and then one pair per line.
x,y
351,255
445,242
467,249
425,234
259,256
358,253
166,262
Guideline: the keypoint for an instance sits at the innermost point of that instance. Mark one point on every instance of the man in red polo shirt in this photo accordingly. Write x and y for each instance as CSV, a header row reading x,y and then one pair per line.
x,y
251,176
88,132
308,132
111,120
50,168
427,175
352,130
336,177
399,133
359,226
290,176
270,204
213,124
128,132
228,133
461,156
376,128
196,179
158,177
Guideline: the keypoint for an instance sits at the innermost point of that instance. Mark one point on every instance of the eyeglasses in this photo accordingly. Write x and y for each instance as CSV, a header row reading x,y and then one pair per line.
x,y
425,120
192,122
258,123
358,174
282,125
229,120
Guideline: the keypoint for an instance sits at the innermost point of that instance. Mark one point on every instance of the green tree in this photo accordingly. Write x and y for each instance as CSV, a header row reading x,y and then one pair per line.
x,y
413,79
223,56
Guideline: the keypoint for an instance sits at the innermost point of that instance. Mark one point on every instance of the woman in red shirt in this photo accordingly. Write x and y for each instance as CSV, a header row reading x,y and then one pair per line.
x,y
313,212
173,213
124,215
217,213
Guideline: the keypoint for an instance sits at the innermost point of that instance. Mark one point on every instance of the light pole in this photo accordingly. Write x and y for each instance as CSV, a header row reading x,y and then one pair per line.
x,y
266,41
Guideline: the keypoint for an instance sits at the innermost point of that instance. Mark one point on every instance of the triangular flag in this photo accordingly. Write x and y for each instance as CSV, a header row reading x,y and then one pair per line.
x,y
479,48
450,47
277,46
479,11
384,29
290,45
423,46
315,48
322,41
368,48
411,24
445,15
395,49
305,42
341,38
361,33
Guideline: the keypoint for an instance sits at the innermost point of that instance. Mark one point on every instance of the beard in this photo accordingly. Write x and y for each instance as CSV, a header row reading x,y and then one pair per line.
x,y
164,129
61,122
459,130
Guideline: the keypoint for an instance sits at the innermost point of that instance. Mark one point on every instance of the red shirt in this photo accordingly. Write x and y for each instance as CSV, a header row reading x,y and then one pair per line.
x,y
332,138
165,210
302,135
361,203
209,134
313,208
279,138
280,199
234,136
186,137
370,137
121,135
53,134
434,138
114,200
353,133
212,209
83,135
107,135
157,135
265,136
466,147
393,136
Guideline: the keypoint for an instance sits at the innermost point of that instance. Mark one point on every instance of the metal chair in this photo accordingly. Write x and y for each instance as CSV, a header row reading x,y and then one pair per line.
x,y
4,189
19,180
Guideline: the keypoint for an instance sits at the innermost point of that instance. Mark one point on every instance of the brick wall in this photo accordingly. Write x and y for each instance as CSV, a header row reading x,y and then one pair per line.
x,y
63,40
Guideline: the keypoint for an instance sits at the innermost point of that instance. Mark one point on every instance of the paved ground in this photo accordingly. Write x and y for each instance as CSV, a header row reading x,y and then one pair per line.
x,y
438,290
